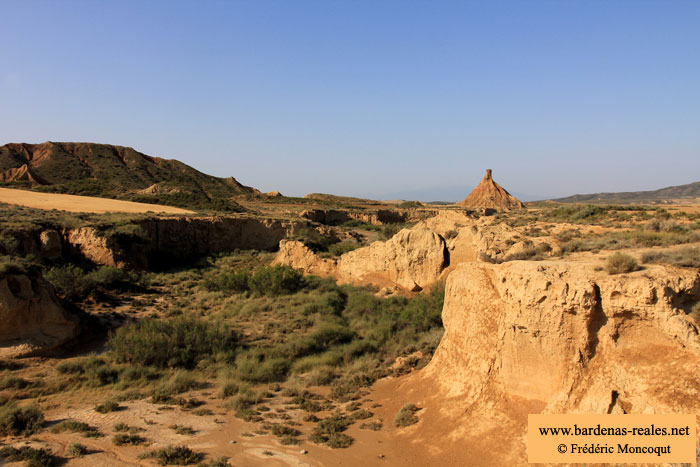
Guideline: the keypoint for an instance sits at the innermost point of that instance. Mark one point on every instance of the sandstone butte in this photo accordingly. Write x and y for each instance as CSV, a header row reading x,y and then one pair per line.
x,y
492,196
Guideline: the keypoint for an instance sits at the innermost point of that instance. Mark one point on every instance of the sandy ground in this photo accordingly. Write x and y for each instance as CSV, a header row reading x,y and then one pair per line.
x,y
73,203
222,434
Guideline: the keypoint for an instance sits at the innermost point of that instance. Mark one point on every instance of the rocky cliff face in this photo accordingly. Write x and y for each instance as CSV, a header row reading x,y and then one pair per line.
x,y
160,242
412,259
531,337
31,318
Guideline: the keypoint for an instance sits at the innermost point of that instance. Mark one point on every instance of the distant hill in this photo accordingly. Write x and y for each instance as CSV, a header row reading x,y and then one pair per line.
x,y
340,199
669,194
114,172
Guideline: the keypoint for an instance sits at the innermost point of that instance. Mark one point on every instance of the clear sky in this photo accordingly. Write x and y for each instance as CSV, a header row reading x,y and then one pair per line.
x,y
371,98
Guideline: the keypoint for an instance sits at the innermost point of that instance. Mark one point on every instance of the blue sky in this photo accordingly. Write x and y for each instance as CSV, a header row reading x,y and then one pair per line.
x,y
383,99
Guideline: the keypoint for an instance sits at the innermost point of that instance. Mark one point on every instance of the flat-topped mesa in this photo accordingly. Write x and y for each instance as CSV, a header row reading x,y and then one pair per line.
x,y
489,195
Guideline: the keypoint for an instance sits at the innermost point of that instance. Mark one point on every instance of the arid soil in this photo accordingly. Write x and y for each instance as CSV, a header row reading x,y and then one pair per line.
x,y
73,203
534,323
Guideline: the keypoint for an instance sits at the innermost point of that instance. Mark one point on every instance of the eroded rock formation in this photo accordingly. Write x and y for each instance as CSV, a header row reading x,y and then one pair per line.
x,y
31,318
531,337
489,195
412,259
155,243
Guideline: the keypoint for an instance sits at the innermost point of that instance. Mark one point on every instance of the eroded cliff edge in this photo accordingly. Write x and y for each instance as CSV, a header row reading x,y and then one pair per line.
x,y
558,337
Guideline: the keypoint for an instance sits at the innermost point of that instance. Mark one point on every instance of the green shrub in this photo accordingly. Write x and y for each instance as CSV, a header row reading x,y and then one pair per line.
x,y
121,439
281,431
182,430
619,263
75,283
14,382
231,387
374,426
256,370
340,248
80,365
173,455
20,421
219,462
70,281
76,450
179,342
389,230
329,431
228,281
33,457
276,280
74,426
406,416
106,407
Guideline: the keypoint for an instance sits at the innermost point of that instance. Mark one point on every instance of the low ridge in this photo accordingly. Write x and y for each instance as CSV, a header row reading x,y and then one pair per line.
x,y
115,172
690,191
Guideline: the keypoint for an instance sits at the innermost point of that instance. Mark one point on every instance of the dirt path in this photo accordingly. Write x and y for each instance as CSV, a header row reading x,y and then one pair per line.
x,y
73,203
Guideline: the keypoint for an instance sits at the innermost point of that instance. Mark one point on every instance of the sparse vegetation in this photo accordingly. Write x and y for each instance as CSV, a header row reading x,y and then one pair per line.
x,y
73,426
173,455
76,450
121,439
20,421
619,263
406,416
75,283
329,431
266,280
107,406
182,430
687,257
179,342
34,457
374,426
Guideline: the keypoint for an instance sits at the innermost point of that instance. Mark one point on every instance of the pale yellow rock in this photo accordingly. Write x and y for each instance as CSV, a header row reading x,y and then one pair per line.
x,y
411,259
50,244
570,337
31,318
295,254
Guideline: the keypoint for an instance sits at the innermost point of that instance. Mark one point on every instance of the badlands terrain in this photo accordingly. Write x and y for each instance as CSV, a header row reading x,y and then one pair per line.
x,y
258,329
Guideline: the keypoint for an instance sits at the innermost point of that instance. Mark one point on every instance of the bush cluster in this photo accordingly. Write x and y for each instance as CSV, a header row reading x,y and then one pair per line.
x,y
620,263
34,457
74,283
179,342
266,280
687,257
406,416
20,421
173,455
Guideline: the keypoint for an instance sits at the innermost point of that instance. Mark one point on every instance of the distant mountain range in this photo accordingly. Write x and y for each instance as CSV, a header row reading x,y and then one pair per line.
x,y
689,192
114,172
